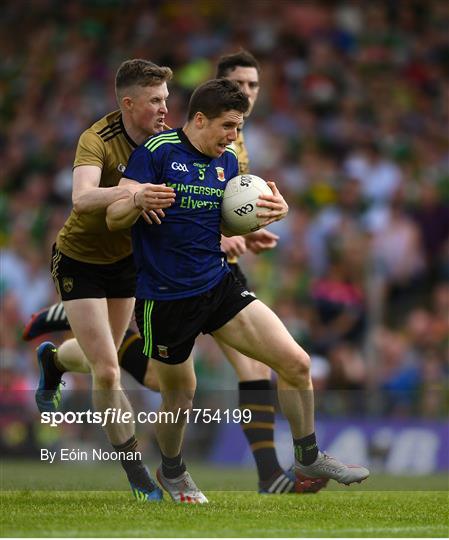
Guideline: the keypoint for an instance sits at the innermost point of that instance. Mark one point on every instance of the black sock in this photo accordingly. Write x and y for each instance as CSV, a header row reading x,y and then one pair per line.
x,y
131,356
130,458
172,467
306,449
257,396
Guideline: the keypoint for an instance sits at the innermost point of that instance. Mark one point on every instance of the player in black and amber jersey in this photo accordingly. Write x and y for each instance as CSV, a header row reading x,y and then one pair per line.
x,y
93,269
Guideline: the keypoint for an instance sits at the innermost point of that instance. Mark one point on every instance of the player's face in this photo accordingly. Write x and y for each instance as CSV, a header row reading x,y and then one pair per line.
x,y
219,132
148,108
248,80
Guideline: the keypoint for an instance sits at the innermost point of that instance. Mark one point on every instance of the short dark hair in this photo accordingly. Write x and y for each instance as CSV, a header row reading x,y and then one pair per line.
x,y
141,73
229,62
216,96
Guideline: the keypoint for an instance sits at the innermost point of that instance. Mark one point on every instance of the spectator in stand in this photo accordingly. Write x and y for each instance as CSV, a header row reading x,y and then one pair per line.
x,y
23,273
347,378
397,248
379,177
398,375
431,215
335,222
339,306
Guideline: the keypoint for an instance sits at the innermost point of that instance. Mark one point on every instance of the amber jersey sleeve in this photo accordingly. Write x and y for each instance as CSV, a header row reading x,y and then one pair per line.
x,y
242,153
85,237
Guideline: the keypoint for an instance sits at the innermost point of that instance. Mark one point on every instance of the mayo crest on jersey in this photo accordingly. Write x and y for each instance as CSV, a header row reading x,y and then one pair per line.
x,y
182,256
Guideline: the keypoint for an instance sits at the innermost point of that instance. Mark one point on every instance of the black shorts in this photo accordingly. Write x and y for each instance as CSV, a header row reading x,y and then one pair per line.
x,y
75,279
169,327
238,274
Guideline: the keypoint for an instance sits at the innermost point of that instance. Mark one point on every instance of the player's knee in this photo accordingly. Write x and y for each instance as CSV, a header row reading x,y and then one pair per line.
x,y
107,377
178,403
297,371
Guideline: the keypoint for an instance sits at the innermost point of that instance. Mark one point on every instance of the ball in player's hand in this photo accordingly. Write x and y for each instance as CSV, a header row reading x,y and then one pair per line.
x,y
239,208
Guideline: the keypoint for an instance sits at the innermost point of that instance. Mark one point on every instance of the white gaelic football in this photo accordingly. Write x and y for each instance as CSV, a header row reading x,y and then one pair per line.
x,y
238,211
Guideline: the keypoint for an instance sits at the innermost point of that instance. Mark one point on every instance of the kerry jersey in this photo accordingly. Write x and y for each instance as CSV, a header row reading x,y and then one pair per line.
x,y
242,153
85,237
182,256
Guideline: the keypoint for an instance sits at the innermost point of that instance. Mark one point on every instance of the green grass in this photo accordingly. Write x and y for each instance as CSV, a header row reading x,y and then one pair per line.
x,y
229,514
359,511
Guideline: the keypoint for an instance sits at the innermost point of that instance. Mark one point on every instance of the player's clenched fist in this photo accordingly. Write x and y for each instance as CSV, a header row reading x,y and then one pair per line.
x,y
154,196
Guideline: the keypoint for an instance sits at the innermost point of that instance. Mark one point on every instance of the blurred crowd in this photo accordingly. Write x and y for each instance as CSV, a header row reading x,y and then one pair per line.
x,y
352,124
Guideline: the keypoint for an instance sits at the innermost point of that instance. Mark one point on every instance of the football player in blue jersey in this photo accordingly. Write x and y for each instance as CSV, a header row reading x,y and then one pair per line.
x,y
184,285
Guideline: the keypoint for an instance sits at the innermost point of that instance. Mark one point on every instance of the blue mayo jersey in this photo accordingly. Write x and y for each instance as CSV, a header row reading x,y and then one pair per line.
x,y
182,256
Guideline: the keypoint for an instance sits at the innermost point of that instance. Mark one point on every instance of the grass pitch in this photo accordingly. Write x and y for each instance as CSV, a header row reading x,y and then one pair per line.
x,y
335,512
229,514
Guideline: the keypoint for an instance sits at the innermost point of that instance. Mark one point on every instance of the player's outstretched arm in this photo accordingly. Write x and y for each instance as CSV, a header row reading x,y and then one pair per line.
x,y
122,214
87,196
145,200
274,206
153,196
